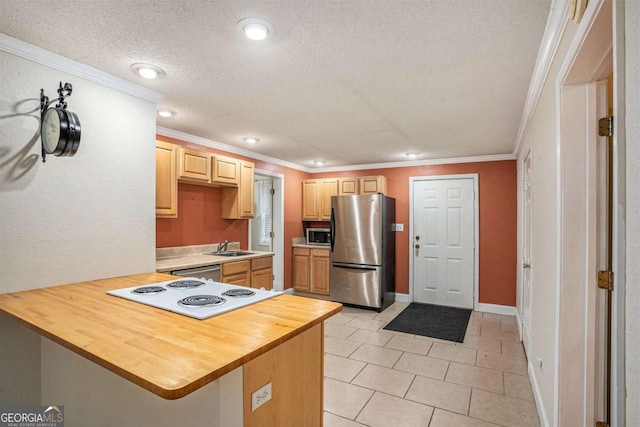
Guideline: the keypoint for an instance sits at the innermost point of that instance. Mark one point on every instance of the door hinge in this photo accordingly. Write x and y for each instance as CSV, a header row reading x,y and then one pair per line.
x,y
605,126
272,191
601,424
272,234
605,280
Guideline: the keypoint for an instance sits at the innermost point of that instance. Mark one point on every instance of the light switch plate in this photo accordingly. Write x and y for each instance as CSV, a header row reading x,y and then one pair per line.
x,y
397,227
260,396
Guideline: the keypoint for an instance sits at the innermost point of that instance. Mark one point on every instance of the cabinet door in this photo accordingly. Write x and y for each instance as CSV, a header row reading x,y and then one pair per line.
x,y
347,186
262,279
226,171
237,202
301,269
320,264
246,190
328,188
238,279
166,180
310,196
373,184
194,166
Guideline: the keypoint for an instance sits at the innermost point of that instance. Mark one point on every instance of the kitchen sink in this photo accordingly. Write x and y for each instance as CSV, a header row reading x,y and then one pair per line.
x,y
231,253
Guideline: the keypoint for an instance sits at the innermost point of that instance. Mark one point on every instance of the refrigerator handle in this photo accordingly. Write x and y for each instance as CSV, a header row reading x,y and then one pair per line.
x,y
332,229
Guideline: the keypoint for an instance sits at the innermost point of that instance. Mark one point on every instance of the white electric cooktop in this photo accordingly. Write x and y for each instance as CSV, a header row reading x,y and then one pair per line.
x,y
197,298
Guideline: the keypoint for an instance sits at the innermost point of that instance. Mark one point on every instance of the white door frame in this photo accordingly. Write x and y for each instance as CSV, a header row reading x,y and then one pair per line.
x,y
278,227
520,291
476,228
589,59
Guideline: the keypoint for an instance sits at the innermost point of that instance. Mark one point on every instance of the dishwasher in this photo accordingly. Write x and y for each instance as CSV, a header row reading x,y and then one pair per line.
x,y
210,272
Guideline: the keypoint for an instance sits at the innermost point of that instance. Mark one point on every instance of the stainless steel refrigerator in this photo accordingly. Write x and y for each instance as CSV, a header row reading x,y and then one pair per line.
x,y
363,250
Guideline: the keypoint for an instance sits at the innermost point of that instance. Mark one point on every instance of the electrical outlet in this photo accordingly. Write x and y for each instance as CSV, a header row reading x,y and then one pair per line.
x,y
398,227
260,396
539,362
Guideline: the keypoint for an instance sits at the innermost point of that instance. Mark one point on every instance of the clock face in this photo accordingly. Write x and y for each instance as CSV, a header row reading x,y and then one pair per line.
x,y
51,130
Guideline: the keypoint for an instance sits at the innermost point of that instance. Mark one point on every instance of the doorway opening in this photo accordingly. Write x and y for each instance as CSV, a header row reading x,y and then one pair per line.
x,y
266,229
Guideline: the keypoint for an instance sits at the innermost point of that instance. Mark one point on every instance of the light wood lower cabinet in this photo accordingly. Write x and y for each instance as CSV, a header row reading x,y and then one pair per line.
x,y
262,273
166,181
294,369
311,270
251,273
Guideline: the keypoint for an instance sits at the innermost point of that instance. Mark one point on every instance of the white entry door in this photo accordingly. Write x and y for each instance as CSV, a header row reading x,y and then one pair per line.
x,y
526,253
444,242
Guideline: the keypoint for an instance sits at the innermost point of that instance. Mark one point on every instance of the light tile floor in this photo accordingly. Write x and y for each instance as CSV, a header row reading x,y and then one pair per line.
x,y
375,377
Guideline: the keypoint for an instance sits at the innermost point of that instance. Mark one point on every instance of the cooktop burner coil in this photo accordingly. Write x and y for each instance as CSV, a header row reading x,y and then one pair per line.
x,y
201,301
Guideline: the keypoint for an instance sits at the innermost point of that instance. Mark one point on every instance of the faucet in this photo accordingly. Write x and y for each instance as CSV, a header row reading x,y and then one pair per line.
x,y
222,247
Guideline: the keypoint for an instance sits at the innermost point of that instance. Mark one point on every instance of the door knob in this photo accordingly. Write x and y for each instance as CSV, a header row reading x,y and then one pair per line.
x,y
525,265
417,246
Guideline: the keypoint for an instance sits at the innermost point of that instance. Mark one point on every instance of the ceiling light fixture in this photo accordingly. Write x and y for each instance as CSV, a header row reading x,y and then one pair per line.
x,y
256,28
412,155
166,113
319,162
251,140
148,71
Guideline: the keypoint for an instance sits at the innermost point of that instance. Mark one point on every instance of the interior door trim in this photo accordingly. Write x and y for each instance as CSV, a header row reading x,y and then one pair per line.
x,y
476,229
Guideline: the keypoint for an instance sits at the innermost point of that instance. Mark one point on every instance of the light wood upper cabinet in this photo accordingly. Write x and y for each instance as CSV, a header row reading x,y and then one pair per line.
x,y
226,171
166,181
194,166
316,198
310,206
311,270
237,203
372,184
347,186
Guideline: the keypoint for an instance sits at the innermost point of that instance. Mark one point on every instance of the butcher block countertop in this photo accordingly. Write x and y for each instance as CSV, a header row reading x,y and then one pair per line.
x,y
168,354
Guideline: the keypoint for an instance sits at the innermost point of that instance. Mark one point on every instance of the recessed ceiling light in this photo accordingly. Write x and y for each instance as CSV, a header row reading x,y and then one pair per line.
x,y
166,113
412,155
251,140
148,71
319,162
256,28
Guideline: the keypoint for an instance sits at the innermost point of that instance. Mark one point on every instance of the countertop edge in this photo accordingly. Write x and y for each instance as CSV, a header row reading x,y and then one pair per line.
x,y
167,265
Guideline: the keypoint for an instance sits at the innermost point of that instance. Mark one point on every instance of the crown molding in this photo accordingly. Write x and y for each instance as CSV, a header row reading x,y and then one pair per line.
x,y
556,24
182,136
229,148
410,163
58,62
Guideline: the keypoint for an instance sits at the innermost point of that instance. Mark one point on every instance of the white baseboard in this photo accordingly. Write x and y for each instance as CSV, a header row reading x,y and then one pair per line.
x,y
403,297
497,309
542,414
519,323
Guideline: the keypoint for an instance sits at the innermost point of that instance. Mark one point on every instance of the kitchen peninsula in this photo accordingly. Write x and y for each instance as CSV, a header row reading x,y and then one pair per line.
x,y
201,372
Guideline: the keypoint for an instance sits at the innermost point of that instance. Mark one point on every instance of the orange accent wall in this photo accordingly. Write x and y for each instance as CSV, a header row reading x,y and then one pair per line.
x,y
199,220
497,203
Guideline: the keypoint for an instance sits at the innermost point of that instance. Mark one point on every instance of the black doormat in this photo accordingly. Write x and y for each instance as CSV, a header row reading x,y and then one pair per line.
x,y
435,321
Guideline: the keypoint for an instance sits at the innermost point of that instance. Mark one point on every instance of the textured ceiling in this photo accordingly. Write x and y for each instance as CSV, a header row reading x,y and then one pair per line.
x,y
349,82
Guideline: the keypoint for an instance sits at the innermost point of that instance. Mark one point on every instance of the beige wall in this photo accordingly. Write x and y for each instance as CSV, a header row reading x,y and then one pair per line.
x,y
72,218
632,73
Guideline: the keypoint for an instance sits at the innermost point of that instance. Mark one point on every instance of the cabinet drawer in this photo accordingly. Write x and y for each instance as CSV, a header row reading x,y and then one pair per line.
x,y
260,263
238,267
301,251
320,252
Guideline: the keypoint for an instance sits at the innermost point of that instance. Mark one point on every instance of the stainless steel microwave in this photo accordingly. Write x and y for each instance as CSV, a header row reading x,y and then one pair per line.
x,y
318,236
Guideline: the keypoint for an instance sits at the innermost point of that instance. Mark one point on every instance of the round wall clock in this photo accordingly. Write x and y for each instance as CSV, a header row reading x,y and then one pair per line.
x,y
60,132
59,128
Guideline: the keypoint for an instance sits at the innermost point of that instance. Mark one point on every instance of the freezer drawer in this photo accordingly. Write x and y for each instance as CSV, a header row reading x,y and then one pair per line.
x,y
356,284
